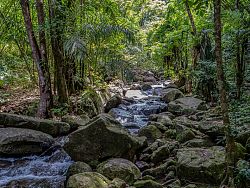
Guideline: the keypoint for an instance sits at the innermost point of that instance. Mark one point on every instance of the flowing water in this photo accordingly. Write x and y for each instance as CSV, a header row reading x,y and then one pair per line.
x,y
134,114
46,171
49,170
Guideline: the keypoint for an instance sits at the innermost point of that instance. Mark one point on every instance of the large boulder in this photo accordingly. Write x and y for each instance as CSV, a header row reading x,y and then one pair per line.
x,y
21,142
88,180
171,94
186,106
103,137
53,128
201,165
113,102
120,168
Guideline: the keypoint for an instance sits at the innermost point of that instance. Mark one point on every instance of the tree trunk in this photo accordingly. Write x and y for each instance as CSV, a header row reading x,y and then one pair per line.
x,y
46,101
230,144
56,31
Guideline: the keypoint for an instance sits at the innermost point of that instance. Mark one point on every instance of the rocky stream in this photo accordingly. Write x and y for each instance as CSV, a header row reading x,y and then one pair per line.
x,y
153,137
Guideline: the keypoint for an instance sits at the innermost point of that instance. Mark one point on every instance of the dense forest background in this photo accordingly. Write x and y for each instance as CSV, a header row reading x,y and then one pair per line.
x,y
77,44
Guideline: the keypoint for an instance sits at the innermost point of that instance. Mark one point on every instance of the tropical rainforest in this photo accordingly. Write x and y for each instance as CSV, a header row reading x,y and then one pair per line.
x,y
125,93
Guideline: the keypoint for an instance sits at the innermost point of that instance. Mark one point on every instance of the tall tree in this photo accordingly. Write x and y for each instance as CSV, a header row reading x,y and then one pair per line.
x,y
57,23
230,144
39,57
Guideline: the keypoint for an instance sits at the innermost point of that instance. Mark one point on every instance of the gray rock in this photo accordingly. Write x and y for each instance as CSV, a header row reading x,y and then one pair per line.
x,y
171,94
88,180
201,165
120,168
186,106
53,128
103,137
21,142
113,102
151,132
78,167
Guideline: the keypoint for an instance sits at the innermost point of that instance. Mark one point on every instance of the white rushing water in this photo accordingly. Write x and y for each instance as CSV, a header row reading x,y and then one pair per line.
x,y
35,171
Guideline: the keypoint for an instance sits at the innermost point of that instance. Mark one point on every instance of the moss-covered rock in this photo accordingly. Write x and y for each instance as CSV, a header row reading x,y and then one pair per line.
x,y
151,132
120,168
88,180
103,137
185,135
78,167
90,103
201,165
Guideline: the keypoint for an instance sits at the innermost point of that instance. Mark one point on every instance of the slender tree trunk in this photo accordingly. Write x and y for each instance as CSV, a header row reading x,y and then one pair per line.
x,y
56,31
191,18
230,144
46,101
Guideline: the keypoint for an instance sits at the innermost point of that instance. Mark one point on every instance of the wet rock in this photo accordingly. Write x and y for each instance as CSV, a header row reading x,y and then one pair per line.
x,y
20,142
147,184
53,128
122,114
88,180
101,138
76,121
186,106
151,132
201,165
171,94
120,168
113,102
78,167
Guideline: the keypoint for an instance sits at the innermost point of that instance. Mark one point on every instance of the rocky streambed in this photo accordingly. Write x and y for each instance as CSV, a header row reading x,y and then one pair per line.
x,y
155,137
